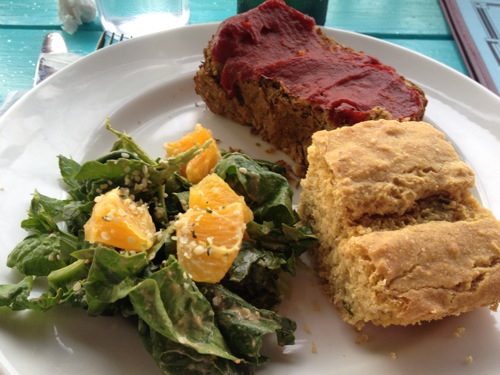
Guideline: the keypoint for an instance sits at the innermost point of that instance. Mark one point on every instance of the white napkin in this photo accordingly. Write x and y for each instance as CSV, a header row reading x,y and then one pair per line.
x,y
74,13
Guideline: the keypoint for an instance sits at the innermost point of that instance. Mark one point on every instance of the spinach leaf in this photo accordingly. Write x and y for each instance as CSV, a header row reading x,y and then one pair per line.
x,y
267,193
254,276
111,277
43,214
174,358
244,326
16,296
170,303
37,255
125,142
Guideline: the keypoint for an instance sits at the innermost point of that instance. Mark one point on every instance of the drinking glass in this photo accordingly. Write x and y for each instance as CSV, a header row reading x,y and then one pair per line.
x,y
314,8
134,18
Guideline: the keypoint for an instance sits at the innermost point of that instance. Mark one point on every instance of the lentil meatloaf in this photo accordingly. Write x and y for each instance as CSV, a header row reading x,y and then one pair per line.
x,y
273,69
402,238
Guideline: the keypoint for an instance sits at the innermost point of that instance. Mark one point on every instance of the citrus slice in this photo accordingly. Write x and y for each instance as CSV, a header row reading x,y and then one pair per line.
x,y
208,241
201,164
213,192
120,222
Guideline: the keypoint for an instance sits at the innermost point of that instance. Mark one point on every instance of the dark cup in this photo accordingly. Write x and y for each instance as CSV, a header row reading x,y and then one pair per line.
x,y
314,8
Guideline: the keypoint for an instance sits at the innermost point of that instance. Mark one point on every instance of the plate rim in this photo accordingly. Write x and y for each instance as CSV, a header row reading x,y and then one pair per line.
x,y
57,82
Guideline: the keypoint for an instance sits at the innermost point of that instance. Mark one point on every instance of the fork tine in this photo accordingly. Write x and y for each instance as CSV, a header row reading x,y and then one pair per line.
x,y
102,41
112,38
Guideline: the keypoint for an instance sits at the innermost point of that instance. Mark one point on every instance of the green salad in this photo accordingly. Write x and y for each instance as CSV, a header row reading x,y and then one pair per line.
x,y
188,327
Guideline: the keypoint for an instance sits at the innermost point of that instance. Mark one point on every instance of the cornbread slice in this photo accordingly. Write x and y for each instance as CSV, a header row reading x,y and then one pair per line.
x,y
402,238
271,68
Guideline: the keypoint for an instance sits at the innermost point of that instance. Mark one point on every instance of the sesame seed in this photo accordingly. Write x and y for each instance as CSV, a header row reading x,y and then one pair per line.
x,y
198,250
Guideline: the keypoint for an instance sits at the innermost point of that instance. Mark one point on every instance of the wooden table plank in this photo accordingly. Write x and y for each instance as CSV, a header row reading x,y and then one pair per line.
x,y
402,17
19,52
213,11
29,13
18,57
444,51
418,18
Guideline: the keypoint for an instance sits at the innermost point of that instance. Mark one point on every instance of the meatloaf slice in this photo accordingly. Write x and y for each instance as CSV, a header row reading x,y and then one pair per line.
x,y
273,69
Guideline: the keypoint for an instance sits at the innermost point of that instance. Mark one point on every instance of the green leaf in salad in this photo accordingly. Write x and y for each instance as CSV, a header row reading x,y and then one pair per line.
x,y
125,142
43,214
267,193
255,274
37,255
174,358
244,326
12,295
171,304
111,277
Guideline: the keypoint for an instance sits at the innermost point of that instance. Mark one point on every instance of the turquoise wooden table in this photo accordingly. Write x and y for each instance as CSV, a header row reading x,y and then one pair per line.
x,y
416,24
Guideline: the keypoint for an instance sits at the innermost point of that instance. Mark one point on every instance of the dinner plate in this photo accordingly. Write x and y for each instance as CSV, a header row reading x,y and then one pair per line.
x,y
145,86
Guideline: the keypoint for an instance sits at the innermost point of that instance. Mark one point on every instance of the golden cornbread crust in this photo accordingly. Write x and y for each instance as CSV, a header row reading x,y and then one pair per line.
x,y
402,238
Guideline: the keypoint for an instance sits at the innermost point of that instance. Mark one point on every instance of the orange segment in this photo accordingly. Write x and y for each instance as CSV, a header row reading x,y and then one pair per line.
x,y
120,222
213,193
209,241
201,164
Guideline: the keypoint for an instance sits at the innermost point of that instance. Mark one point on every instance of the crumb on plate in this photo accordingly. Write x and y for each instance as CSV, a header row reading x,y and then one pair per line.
x,y
314,349
362,338
459,331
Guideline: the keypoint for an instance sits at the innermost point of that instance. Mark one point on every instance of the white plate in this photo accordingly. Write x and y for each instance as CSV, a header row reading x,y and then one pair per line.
x,y
146,86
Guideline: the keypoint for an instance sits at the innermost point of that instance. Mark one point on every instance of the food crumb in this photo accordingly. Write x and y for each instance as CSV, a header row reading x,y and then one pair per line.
x,y
494,307
307,329
393,355
459,331
271,150
314,349
316,306
469,359
362,338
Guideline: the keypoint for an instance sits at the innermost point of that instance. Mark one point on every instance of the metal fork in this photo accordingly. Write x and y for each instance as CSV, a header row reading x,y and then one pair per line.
x,y
108,39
